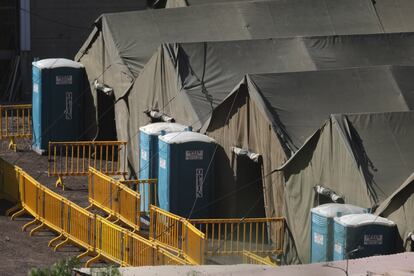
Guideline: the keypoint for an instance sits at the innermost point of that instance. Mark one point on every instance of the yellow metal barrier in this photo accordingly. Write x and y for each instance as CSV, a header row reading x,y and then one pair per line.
x,y
251,258
147,188
9,182
15,122
97,235
233,236
52,210
74,158
114,198
177,234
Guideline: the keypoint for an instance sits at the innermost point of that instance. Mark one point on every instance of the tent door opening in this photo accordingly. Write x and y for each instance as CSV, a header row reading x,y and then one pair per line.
x,y
249,182
106,116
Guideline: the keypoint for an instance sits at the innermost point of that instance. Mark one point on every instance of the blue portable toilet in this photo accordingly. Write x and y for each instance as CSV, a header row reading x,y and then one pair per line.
x,y
58,86
185,173
322,228
148,160
363,235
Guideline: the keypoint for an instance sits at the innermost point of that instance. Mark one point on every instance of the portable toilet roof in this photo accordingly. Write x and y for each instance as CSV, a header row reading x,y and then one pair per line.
x,y
185,137
356,220
331,210
157,128
52,63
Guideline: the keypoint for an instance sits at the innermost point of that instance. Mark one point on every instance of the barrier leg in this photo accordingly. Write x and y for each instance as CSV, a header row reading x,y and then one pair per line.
x,y
82,255
17,214
37,228
52,241
93,260
12,145
59,182
13,209
28,224
59,245
89,207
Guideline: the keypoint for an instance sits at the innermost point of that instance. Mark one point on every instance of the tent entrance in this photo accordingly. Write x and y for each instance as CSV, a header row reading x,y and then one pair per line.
x,y
106,116
249,184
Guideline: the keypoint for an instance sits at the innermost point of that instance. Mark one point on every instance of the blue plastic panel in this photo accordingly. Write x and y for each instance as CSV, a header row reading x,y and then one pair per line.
x,y
57,105
37,107
370,240
185,177
321,238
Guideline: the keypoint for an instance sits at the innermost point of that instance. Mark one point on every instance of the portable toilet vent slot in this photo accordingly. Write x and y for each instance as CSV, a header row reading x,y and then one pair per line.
x,y
363,235
322,229
185,173
57,101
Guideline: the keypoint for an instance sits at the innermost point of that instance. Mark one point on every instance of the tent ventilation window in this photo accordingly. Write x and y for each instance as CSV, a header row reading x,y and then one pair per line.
x,y
251,155
157,116
326,195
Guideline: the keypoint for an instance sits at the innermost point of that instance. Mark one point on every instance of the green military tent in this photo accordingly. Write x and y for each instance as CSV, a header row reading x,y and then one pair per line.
x,y
122,43
399,207
391,13
362,158
187,81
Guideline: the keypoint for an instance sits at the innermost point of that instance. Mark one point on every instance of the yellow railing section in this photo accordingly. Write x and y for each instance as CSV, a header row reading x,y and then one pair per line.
x,y
114,198
15,122
233,236
177,234
147,188
100,237
75,158
9,182
251,258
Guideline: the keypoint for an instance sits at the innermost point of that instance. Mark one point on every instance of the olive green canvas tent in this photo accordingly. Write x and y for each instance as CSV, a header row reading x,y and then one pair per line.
x,y
399,207
122,43
361,158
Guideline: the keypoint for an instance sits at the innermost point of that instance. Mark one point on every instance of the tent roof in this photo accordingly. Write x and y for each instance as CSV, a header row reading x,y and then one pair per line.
x,y
134,36
383,142
209,71
363,157
398,198
380,144
298,103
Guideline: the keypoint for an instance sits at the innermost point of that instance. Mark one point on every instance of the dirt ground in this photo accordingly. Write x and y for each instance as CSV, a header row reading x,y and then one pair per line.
x,y
18,251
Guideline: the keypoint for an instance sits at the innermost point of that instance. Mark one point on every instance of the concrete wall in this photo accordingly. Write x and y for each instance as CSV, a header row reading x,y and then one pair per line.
x,y
59,28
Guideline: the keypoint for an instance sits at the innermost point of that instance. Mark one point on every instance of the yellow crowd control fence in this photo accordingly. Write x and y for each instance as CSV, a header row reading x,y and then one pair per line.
x,y
75,158
233,236
114,198
177,234
100,237
15,122
147,188
251,258
9,182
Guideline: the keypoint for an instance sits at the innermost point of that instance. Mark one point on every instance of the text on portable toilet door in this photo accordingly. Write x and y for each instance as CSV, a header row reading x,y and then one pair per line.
x,y
199,182
68,106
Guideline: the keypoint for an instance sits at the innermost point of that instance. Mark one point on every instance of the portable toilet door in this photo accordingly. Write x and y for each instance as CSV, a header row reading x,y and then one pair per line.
x,y
363,235
57,99
322,228
148,150
185,177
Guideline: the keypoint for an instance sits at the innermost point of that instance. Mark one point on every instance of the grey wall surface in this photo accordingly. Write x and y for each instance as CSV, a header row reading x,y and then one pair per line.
x,y
59,28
